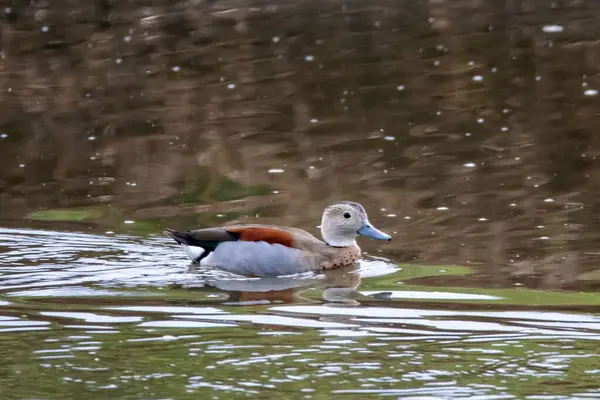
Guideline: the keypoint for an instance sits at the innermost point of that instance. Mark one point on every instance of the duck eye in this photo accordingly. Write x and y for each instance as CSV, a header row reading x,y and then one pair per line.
x,y
346,215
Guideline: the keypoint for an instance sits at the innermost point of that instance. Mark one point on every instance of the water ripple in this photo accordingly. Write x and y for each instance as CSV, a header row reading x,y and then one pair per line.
x,y
113,314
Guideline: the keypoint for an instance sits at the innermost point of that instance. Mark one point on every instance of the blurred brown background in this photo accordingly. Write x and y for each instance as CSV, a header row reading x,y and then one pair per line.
x,y
468,129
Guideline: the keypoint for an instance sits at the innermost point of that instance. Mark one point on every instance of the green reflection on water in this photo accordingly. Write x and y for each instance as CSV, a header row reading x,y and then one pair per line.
x,y
209,187
80,359
80,214
243,362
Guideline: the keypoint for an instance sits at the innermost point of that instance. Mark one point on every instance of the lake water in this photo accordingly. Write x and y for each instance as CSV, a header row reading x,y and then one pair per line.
x,y
467,129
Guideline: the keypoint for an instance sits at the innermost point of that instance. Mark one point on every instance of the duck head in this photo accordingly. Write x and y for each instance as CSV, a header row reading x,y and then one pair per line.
x,y
343,221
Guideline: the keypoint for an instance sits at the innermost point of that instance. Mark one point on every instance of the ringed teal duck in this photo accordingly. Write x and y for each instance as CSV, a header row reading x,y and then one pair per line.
x,y
268,250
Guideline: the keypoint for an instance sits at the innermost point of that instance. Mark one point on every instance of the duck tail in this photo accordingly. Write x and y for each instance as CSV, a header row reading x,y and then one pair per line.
x,y
179,237
194,252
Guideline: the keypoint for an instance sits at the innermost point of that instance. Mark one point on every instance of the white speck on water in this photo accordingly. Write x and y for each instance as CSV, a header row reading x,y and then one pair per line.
x,y
480,120
119,60
513,204
275,39
538,78
7,10
45,28
128,221
548,200
517,158
494,69
553,28
314,121
91,137
3,135
400,88
468,134
127,39
482,219
504,129
176,68
407,217
309,58
109,233
275,171
438,113
478,78
389,138
540,226
220,215
377,24
231,86
21,165
590,92
436,63
584,84
275,192
442,208
311,167
544,238
470,165
505,111
471,63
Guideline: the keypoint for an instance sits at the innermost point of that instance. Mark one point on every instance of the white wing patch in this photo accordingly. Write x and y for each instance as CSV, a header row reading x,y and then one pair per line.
x,y
193,252
259,259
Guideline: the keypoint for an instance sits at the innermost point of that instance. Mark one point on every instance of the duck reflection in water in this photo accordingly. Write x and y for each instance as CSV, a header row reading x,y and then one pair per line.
x,y
337,286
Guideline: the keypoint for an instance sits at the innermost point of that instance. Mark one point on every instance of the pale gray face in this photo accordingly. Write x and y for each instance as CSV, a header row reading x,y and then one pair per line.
x,y
344,220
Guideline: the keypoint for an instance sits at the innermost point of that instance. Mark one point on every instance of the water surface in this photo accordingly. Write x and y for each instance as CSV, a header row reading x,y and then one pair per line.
x,y
467,129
